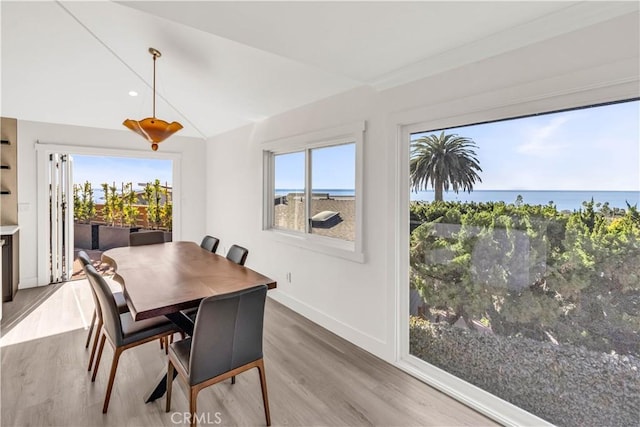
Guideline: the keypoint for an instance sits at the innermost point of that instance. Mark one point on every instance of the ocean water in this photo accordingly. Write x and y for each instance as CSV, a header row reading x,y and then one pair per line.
x,y
331,191
563,200
98,194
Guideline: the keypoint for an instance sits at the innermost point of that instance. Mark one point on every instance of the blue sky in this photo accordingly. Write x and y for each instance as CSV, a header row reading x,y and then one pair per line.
x,y
332,168
97,170
588,149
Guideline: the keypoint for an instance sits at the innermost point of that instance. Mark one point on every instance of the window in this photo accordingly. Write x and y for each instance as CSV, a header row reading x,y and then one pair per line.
x,y
312,191
525,282
288,196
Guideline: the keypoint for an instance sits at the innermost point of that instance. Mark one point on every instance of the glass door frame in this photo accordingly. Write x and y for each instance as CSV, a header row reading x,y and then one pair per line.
x,y
44,150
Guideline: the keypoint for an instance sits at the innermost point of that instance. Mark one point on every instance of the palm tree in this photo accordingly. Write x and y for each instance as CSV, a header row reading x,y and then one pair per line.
x,y
444,161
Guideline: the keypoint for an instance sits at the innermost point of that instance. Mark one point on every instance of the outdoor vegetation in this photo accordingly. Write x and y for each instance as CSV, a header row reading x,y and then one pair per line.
x,y
150,208
106,222
537,306
445,161
84,208
531,271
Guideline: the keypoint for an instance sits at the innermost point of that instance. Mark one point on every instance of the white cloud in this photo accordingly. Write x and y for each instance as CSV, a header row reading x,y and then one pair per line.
x,y
544,141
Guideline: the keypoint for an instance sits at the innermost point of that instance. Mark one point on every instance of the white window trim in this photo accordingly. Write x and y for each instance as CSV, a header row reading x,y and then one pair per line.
x,y
350,133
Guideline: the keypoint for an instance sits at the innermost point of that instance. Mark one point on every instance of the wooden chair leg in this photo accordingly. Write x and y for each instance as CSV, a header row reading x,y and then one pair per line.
x,y
193,400
265,398
112,376
161,343
169,385
100,348
95,343
93,321
166,344
233,379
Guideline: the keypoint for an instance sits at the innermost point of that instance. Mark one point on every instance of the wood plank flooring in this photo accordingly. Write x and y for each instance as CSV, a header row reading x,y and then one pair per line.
x,y
314,378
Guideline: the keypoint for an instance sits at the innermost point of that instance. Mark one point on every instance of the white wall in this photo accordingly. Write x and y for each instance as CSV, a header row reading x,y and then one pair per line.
x,y
189,151
359,301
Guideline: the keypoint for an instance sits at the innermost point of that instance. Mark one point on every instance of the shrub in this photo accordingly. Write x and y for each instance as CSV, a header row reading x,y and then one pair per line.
x,y
84,207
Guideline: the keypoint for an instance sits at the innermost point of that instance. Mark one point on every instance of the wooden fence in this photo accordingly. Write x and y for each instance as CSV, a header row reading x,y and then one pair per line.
x,y
141,219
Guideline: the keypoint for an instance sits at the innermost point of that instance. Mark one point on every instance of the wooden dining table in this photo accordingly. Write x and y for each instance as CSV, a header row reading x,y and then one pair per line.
x,y
164,279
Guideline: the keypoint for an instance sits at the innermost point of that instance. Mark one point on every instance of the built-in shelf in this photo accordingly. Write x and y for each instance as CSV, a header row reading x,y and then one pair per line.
x,y
9,169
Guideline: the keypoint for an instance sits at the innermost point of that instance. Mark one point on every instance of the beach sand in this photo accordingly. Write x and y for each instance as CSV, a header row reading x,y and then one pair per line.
x,y
291,215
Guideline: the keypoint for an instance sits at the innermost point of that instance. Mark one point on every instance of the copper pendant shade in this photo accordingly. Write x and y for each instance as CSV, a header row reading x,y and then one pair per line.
x,y
153,129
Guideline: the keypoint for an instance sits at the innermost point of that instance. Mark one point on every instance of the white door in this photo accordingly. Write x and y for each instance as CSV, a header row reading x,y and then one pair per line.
x,y
60,189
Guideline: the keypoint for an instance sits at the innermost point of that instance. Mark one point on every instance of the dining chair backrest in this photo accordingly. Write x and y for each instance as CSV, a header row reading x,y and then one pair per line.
x,y
140,238
227,333
84,259
210,243
237,254
110,313
86,262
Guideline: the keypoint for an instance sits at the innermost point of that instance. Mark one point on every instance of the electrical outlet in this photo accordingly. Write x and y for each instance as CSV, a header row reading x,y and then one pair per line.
x,y
289,277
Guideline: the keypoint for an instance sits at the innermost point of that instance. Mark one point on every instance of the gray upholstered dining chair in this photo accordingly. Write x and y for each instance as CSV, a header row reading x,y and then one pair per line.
x,y
140,238
122,331
210,243
237,254
97,312
226,341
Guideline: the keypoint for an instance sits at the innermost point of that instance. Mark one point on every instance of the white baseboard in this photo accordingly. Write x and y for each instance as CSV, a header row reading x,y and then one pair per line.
x,y
365,341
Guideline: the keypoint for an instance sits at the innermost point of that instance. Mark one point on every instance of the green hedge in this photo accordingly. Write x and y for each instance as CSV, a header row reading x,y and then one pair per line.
x,y
565,385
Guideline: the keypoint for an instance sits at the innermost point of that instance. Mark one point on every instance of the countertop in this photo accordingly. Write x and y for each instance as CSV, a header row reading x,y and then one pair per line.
x,y
8,229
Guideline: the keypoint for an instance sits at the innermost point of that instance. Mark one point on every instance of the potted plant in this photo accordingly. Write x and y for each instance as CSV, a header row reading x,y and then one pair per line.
x,y
153,195
159,208
129,199
85,234
115,233
166,214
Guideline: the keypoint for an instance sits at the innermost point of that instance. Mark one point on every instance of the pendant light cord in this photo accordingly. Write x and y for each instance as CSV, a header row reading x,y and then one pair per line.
x,y
75,18
154,85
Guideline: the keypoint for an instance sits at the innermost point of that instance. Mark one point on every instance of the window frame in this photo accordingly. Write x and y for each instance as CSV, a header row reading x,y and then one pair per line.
x,y
416,121
348,134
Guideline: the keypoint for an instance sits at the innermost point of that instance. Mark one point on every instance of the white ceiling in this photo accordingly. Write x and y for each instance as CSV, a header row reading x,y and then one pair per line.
x,y
227,64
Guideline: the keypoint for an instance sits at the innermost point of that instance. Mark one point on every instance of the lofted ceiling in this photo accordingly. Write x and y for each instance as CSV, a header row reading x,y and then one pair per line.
x,y
227,64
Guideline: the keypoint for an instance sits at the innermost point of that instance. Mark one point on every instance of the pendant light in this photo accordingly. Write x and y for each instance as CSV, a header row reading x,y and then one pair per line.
x,y
153,129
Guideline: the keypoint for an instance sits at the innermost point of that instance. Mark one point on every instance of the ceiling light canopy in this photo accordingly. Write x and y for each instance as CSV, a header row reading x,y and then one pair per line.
x,y
153,129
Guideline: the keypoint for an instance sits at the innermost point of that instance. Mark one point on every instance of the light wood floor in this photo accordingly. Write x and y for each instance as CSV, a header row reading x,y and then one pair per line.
x,y
314,378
